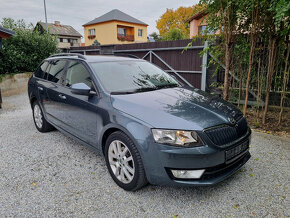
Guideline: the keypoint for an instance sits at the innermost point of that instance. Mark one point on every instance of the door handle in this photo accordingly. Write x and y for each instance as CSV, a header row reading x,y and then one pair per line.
x,y
62,96
40,88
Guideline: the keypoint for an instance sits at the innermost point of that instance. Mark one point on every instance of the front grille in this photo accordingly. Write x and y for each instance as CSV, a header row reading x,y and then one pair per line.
x,y
225,134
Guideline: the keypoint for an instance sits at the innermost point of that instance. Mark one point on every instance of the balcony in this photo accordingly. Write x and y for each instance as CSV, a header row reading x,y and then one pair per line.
x,y
123,37
91,36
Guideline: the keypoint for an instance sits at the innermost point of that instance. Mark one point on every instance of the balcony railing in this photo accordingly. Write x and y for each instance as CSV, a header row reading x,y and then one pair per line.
x,y
123,37
91,36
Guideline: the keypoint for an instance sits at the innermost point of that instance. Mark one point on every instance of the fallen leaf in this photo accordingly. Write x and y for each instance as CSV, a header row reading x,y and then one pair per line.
x,y
257,159
252,174
268,132
34,184
175,216
253,213
251,146
236,206
92,173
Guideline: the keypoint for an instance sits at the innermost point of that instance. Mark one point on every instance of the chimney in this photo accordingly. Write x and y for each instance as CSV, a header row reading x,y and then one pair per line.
x,y
57,23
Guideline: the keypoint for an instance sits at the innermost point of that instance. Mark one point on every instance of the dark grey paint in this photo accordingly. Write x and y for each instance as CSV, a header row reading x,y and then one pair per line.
x,y
87,118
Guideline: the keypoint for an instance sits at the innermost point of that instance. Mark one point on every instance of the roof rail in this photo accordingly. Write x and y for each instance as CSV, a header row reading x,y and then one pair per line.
x,y
126,55
68,54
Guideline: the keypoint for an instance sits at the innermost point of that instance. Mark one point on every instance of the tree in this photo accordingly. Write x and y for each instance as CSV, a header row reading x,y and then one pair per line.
x,y
96,43
277,29
252,11
222,17
177,19
155,36
24,51
173,34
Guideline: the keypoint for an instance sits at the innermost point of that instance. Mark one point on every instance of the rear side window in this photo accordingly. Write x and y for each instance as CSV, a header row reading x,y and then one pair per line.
x,y
56,71
40,72
77,73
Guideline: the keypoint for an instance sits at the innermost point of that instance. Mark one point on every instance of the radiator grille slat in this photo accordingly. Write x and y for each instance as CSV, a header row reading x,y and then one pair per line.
x,y
225,134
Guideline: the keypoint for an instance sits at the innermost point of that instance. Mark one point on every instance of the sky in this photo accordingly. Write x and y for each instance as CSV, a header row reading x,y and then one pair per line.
x,y
78,12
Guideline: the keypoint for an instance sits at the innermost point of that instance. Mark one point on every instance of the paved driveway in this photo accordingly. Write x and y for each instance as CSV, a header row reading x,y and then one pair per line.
x,y
53,175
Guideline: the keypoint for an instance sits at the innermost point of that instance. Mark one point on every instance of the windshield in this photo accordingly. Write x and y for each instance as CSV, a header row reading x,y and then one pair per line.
x,y
132,76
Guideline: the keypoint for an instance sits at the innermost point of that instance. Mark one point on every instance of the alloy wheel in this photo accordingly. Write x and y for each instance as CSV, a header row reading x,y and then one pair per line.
x,y
121,161
37,116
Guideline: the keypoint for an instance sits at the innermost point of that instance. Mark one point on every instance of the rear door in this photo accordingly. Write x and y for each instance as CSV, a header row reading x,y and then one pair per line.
x,y
41,83
55,102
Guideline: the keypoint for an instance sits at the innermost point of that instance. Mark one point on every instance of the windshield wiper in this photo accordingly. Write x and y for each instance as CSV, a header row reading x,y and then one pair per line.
x,y
124,92
143,89
167,86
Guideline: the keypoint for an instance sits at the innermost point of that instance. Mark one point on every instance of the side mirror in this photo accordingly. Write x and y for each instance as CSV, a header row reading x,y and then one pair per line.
x,y
80,89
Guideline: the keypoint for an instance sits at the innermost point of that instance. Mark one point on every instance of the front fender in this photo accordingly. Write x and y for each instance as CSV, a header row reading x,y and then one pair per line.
x,y
134,128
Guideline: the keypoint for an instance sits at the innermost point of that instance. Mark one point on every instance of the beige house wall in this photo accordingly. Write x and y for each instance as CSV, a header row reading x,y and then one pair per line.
x,y
106,33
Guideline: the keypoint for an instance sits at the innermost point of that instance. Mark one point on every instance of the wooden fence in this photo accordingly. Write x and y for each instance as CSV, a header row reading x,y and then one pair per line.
x,y
186,65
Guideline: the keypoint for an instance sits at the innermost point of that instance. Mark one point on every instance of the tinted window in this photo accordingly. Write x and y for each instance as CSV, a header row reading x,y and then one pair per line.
x,y
41,70
56,71
77,73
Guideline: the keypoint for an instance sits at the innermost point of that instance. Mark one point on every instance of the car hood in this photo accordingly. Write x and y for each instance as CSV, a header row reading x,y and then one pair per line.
x,y
177,108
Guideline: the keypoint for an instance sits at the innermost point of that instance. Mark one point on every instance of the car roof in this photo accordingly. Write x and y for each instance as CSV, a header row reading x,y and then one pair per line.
x,y
93,58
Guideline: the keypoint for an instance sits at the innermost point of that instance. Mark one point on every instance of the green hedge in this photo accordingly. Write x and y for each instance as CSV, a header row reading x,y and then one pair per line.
x,y
24,51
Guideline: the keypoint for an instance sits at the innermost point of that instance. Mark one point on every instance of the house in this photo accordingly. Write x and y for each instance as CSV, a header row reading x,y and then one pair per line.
x,y
198,23
5,34
67,35
115,27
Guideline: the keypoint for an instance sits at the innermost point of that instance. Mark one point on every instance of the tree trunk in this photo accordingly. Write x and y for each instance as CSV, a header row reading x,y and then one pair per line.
x,y
259,91
285,81
271,55
240,90
249,74
226,78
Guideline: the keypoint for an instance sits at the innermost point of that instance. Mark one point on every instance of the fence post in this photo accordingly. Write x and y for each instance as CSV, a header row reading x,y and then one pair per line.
x,y
204,67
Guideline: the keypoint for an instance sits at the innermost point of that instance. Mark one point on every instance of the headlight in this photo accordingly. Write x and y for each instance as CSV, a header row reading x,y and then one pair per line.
x,y
176,137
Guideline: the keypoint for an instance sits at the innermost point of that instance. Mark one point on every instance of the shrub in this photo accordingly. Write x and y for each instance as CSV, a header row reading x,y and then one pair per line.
x,y
24,51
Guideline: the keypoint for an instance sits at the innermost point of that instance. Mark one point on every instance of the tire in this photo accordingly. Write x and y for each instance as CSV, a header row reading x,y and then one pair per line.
x,y
121,163
40,122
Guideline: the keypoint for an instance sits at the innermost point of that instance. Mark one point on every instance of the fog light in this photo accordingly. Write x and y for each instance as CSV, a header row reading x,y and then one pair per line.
x,y
187,174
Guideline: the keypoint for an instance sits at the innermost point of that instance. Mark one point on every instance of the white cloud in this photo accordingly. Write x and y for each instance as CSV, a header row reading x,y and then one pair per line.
x,y
78,12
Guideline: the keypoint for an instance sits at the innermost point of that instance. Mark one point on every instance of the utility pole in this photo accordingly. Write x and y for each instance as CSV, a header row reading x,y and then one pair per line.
x,y
46,27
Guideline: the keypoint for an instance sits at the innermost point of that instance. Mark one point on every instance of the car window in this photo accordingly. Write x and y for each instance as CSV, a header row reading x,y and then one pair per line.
x,y
77,73
132,76
40,72
56,71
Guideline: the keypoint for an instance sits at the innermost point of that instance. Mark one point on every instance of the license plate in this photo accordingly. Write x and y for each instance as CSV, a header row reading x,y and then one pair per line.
x,y
231,153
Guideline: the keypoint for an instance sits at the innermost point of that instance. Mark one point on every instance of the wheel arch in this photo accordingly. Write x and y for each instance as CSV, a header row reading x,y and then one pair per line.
x,y
129,130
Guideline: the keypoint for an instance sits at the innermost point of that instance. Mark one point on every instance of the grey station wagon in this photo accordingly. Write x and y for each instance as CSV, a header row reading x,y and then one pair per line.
x,y
149,127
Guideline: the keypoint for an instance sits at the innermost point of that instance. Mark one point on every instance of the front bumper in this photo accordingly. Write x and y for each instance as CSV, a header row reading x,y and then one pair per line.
x,y
159,160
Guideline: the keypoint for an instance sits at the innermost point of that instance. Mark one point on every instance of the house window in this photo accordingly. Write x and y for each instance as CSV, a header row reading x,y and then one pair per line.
x,y
122,31
92,32
202,30
140,32
64,40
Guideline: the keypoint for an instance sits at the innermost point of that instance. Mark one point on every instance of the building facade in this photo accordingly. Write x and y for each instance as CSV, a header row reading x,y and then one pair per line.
x,y
115,27
67,36
5,34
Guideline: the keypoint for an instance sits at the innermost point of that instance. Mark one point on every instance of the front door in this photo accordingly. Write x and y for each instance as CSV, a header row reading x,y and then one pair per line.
x,y
81,111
